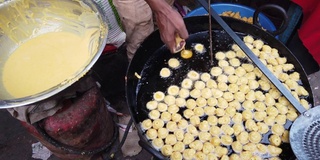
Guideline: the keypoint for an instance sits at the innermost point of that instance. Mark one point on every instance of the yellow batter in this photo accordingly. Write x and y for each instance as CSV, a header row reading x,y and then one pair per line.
x,y
45,61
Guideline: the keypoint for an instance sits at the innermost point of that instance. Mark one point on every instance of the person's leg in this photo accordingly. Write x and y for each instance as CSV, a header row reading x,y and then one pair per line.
x,y
137,20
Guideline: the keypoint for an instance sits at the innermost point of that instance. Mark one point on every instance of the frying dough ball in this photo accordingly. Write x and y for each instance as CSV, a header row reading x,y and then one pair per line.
x,y
154,114
199,111
173,90
248,67
205,77
195,93
188,138
285,136
215,71
248,39
230,111
239,96
272,111
282,100
304,103
250,75
273,150
233,79
158,96
151,105
165,116
146,124
191,103
227,129
257,72
240,71
169,100
266,48
270,101
234,157
226,140
259,96
209,110
258,44
230,54
269,120
262,127
222,103
248,105
222,86
199,48
233,88
255,51
165,72
274,93
277,129
281,108
157,143
281,119
287,67
206,93
222,78
250,147
186,83
228,96
250,46
235,47
237,128
255,137
196,145
193,75
207,148
192,130
264,85
262,148
235,62
259,116
215,141
183,124
173,109
157,123
176,156
223,63
294,76
275,140
216,93
240,54
235,104
204,136
302,91
224,120
247,115
260,106
220,56
212,120
236,146
162,107
211,83
170,139
176,117
184,93
167,150
253,84
194,120
181,102
237,118
179,134
189,154
162,133
242,80
293,85
243,137
151,133
174,63
199,85
171,126
220,151
188,113
179,147
283,77
251,125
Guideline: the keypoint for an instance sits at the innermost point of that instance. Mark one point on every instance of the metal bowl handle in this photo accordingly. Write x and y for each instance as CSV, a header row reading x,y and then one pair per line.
x,y
276,8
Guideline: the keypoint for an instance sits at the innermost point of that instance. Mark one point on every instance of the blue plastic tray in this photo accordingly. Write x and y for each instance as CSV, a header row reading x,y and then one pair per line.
x,y
244,11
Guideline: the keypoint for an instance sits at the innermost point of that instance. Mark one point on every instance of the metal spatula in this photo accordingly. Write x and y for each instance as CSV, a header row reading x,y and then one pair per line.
x,y
305,131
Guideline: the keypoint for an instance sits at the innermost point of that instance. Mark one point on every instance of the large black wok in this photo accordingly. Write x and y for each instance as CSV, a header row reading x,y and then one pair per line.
x,y
152,56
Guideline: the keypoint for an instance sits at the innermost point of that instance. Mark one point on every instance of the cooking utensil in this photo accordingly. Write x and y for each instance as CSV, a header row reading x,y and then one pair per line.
x,y
304,140
35,17
153,55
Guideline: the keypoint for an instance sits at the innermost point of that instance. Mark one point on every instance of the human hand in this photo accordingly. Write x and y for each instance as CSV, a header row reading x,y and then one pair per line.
x,y
171,25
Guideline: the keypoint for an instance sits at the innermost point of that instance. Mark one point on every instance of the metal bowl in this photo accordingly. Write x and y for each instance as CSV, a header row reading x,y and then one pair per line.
x,y
21,20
